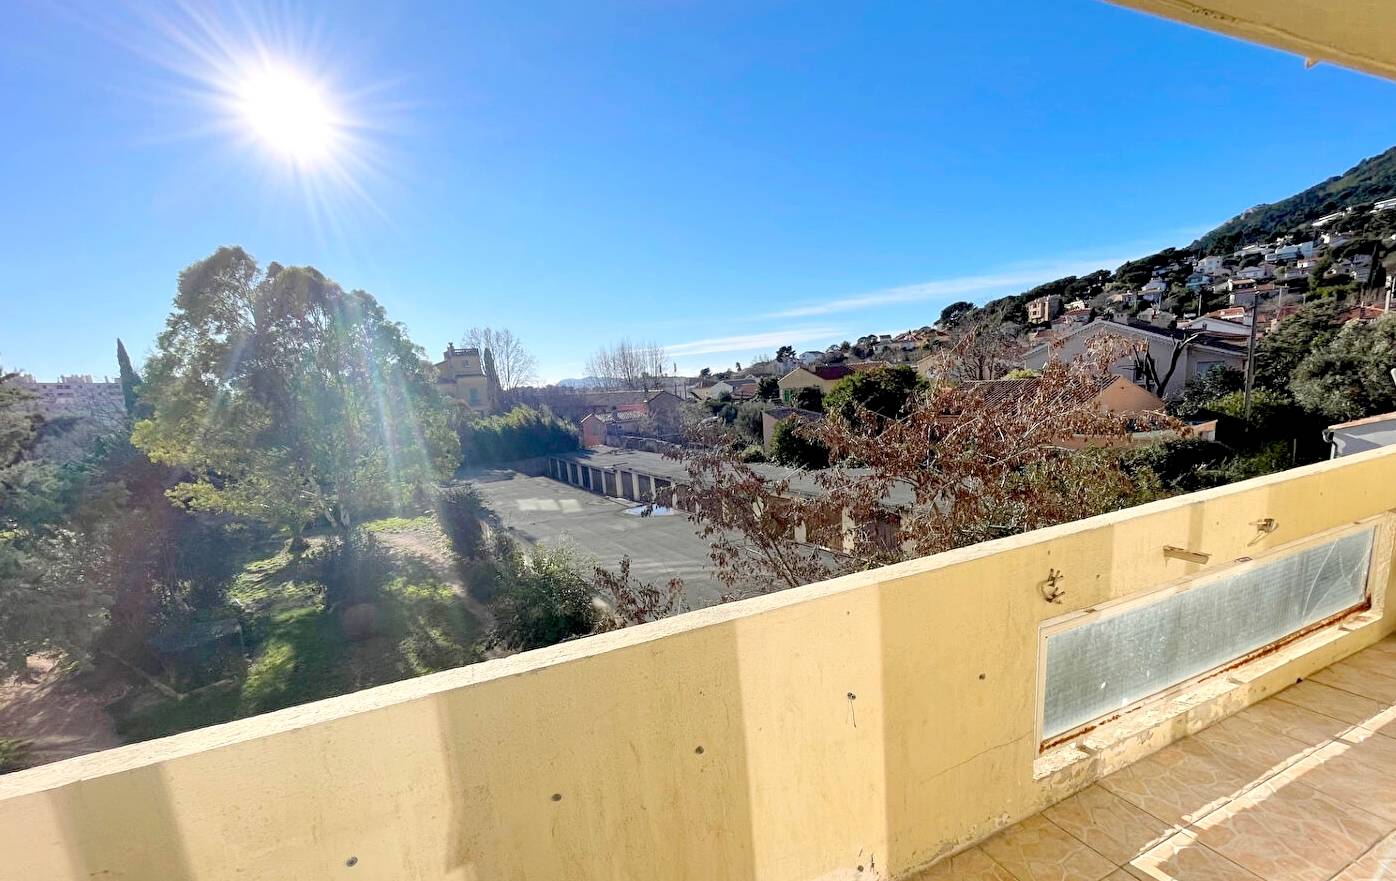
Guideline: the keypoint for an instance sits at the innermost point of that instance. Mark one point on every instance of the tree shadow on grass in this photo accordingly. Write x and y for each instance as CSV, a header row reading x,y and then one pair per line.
x,y
412,623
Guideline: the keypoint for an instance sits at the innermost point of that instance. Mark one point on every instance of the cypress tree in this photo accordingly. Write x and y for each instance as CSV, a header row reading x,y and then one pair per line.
x,y
130,379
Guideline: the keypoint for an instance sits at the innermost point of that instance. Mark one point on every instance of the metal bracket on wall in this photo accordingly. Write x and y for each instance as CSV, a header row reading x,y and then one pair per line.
x,y
1185,554
1051,590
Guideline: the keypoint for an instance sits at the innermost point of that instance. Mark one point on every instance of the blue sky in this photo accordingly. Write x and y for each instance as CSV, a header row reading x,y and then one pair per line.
x,y
719,178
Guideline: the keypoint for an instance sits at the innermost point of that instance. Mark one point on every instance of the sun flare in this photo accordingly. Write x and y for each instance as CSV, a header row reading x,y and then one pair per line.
x,y
289,114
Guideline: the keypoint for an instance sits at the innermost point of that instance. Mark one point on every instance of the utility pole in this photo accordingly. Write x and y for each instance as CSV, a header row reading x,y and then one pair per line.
x,y
1250,358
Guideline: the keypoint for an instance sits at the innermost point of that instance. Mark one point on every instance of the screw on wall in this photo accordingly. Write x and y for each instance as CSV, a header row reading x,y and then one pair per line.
x,y
1051,588
852,714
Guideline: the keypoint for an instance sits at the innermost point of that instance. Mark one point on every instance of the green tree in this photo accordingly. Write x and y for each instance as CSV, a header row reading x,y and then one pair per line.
x,y
492,388
810,398
1279,353
887,392
768,388
793,448
130,379
522,433
955,311
47,602
1204,388
748,419
290,400
1350,376
785,353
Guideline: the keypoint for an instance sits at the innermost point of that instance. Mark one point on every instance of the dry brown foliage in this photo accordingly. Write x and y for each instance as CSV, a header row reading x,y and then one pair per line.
x,y
970,462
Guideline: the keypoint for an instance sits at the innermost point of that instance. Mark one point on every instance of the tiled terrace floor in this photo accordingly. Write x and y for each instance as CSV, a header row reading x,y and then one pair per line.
x,y
1299,787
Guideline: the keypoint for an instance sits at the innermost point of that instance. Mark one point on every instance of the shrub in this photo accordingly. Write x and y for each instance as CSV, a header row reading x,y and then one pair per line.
x,y
810,398
462,515
1184,465
753,453
13,753
793,448
541,599
748,420
1204,388
522,433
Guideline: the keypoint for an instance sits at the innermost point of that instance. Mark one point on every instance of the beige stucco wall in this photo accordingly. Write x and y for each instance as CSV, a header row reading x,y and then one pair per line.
x,y
1160,348
873,721
1354,33
1123,396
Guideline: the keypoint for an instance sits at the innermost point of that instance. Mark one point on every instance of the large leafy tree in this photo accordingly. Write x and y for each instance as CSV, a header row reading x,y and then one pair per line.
x,y
47,602
885,392
1350,376
290,400
1280,352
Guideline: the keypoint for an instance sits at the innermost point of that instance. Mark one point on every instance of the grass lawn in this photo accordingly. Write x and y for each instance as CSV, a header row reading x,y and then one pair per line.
x,y
300,651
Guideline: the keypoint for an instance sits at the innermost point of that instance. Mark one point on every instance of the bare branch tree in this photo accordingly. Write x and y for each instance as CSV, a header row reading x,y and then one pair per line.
x,y
1145,367
628,365
971,461
978,349
513,364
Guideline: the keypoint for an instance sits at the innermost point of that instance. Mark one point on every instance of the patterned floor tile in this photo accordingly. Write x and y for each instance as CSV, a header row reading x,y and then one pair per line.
x,y
1370,661
1339,704
1295,721
1182,782
1377,864
967,865
1352,774
1038,850
1183,858
1287,830
1385,647
1245,737
1108,824
1358,681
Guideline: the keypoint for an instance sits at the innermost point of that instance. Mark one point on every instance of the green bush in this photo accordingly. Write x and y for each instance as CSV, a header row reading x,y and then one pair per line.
x,y
753,453
541,597
522,433
352,568
13,753
887,392
462,515
810,398
748,420
790,447
1204,388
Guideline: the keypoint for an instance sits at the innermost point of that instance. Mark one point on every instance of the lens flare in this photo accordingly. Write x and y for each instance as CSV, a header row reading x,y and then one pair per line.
x,y
266,87
289,114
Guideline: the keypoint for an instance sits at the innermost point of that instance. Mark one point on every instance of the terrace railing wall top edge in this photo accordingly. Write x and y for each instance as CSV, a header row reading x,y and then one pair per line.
x,y
371,699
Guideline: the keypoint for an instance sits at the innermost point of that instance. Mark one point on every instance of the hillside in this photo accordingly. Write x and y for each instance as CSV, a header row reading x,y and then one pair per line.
x,y
1371,179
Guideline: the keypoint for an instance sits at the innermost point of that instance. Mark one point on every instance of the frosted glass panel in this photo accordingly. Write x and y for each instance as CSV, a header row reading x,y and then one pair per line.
x,y
1105,665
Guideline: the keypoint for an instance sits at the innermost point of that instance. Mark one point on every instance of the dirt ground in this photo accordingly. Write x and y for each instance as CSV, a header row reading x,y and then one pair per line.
x,y
55,716
427,547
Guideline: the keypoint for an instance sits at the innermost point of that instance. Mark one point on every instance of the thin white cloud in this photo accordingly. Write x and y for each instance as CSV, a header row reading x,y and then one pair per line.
x,y
1007,281
770,339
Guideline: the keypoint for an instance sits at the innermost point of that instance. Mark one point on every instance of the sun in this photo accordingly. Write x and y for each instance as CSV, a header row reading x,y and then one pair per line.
x,y
289,114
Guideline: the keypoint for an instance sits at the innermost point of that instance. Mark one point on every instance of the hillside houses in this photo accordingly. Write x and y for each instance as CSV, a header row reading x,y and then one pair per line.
x,y
1196,351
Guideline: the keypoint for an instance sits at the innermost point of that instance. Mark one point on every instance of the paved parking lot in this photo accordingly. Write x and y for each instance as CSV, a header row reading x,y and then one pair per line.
x,y
546,511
